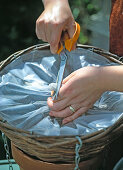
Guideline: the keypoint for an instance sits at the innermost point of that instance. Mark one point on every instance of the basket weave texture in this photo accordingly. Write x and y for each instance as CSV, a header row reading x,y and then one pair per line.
x,y
62,148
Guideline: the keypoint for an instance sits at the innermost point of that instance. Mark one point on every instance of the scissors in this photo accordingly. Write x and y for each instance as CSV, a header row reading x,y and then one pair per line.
x,y
65,47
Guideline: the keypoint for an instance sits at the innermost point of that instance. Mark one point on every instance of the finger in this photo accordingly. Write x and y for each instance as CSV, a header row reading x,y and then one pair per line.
x,y
55,38
61,102
68,77
74,116
78,98
45,35
65,112
85,100
57,105
48,30
40,31
64,36
71,29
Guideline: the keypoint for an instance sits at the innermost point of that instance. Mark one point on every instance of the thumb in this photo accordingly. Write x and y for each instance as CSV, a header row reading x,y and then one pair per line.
x,y
55,39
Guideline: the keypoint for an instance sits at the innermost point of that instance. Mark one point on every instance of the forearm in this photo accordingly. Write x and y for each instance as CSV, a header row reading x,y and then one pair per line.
x,y
111,78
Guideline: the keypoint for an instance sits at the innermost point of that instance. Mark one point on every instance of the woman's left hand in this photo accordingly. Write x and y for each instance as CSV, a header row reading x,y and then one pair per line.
x,y
81,90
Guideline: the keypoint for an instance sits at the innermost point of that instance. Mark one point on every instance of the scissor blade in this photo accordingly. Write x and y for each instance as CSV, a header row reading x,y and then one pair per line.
x,y
60,73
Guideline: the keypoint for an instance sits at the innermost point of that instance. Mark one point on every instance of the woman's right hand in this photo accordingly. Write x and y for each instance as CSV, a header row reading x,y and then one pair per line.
x,y
56,17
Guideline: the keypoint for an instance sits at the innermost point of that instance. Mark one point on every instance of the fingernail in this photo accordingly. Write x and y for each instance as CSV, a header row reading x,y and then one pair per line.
x,y
49,99
53,50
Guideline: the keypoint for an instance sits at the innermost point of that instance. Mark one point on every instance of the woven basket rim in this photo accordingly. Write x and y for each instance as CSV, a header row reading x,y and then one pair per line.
x,y
107,54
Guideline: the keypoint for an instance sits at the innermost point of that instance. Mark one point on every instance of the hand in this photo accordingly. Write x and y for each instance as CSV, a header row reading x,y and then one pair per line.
x,y
81,90
56,17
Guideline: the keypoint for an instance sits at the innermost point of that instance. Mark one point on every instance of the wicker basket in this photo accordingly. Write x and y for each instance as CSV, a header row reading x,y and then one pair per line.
x,y
62,149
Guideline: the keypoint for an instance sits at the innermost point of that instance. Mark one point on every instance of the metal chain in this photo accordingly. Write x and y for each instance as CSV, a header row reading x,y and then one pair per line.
x,y
77,149
6,147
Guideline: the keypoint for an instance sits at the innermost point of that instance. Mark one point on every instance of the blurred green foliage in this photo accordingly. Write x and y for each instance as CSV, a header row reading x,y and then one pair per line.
x,y
17,26
82,11
17,23
17,29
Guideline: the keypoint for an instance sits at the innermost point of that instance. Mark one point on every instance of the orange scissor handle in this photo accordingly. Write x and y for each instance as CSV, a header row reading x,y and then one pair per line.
x,y
69,43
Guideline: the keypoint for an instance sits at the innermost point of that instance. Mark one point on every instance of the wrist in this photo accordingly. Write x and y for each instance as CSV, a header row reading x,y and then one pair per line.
x,y
47,2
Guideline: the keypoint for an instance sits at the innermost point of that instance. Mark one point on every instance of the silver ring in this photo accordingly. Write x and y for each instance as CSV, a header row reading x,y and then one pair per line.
x,y
72,109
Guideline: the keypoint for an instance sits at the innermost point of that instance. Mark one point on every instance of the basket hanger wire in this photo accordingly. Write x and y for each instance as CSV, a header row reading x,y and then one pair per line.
x,y
6,147
77,149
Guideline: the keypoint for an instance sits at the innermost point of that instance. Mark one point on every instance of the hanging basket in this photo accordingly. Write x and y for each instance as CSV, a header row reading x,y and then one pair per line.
x,y
61,149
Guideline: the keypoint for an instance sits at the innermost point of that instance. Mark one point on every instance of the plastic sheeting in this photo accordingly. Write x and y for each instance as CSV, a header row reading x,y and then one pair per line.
x,y
24,89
